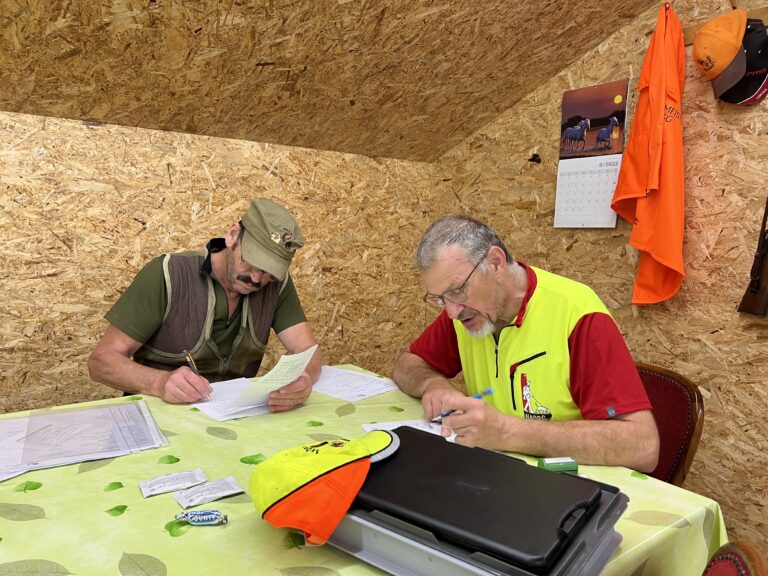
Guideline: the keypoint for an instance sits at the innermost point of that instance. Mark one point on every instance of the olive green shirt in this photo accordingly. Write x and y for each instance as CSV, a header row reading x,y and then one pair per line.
x,y
139,312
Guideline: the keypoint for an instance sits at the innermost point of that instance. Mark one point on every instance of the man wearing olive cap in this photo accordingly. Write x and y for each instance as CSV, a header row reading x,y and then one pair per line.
x,y
219,305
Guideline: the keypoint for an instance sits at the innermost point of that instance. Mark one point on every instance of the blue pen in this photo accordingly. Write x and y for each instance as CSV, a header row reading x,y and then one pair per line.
x,y
479,395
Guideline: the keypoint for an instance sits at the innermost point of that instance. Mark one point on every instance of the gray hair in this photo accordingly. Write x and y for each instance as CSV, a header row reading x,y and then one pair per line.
x,y
473,237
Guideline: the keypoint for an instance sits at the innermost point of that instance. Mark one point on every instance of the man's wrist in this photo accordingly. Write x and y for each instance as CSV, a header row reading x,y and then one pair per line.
x,y
157,383
437,383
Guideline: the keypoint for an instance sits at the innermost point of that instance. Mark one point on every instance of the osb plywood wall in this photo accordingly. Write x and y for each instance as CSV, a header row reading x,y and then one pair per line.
x,y
396,78
698,333
83,207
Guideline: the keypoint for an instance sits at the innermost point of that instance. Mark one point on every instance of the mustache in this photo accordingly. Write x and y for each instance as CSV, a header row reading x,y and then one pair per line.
x,y
468,313
247,280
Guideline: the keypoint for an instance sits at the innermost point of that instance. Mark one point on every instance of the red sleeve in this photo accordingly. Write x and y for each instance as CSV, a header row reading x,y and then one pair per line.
x,y
604,378
438,346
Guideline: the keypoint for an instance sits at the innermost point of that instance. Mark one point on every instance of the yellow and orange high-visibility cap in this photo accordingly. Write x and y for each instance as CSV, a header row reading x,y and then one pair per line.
x,y
311,487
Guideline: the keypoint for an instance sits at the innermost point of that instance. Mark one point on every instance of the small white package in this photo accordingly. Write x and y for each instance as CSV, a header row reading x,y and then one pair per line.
x,y
172,482
208,492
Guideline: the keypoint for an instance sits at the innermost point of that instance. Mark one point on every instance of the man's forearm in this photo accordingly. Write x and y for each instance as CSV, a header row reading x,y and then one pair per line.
x,y
115,370
633,444
413,375
315,365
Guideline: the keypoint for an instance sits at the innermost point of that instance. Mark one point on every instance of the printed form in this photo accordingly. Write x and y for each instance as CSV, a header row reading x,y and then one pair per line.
x,y
350,385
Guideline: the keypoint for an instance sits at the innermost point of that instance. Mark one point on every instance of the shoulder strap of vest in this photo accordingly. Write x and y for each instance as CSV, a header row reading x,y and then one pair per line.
x,y
168,288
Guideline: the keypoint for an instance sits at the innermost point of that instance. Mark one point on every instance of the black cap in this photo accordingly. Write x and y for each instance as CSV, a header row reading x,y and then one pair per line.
x,y
752,86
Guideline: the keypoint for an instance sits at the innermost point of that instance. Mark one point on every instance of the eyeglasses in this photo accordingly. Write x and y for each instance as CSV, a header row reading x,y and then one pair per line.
x,y
455,295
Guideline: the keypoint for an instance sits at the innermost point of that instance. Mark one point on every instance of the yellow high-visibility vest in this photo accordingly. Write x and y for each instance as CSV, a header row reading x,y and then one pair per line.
x,y
529,370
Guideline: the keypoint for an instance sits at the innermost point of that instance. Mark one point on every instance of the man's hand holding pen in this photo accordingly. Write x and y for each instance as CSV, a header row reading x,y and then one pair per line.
x,y
437,392
474,422
448,412
183,385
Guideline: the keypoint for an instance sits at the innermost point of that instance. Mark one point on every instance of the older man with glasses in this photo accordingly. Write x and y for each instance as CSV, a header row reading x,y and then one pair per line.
x,y
215,307
562,379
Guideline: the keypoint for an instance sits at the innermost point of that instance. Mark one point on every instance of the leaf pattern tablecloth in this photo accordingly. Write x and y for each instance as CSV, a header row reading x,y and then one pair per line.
x,y
91,519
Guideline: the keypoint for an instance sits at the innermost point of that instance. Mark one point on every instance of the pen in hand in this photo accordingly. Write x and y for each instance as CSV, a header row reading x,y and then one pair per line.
x,y
190,361
193,367
479,395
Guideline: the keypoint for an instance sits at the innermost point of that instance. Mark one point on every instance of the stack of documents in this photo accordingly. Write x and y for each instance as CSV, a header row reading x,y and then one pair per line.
x,y
60,437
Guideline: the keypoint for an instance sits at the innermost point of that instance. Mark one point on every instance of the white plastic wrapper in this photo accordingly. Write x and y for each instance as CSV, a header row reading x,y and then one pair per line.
x,y
172,482
208,492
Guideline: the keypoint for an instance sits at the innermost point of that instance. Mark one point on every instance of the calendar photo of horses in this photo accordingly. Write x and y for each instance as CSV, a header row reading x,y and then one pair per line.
x,y
593,120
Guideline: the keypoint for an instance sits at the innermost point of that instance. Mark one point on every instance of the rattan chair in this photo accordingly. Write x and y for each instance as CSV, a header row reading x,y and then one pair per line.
x,y
679,412
737,559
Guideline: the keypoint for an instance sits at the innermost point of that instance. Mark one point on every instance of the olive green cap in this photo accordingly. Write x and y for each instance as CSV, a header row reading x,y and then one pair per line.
x,y
271,237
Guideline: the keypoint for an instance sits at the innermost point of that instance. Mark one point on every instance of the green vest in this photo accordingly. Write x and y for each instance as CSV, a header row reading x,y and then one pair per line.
x,y
188,322
529,370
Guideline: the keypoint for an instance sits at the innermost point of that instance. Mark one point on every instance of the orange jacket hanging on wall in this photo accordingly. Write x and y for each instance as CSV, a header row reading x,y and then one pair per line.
x,y
650,189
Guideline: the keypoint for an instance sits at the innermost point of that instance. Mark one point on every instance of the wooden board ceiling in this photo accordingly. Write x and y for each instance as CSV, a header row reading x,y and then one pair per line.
x,y
403,79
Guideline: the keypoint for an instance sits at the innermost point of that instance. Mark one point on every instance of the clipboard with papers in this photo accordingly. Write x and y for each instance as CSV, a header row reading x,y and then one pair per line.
x,y
437,507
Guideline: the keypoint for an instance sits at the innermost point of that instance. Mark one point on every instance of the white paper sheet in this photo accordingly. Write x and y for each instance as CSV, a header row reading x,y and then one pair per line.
x,y
287,369
8,474
431,427
220,407
351,386
242,397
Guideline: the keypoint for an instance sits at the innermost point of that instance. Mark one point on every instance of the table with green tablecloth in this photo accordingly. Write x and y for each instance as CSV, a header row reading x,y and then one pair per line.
x,y
91,518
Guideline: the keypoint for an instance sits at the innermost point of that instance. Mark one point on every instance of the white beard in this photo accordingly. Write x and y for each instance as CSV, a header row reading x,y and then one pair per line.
x,y
483,331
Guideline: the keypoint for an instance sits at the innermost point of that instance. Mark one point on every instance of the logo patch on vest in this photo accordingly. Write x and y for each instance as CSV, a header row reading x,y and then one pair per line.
x,y
532,409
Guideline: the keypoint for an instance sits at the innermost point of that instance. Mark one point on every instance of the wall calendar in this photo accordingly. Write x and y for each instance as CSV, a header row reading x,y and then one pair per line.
x,y
591,145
